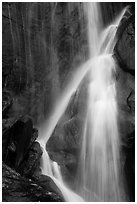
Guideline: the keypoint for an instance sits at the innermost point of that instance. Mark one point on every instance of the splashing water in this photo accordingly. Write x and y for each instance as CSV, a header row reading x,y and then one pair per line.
x,y
98,175
100,149
52,170
99,178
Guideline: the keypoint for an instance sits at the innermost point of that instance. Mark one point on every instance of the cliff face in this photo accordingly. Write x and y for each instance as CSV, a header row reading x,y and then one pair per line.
x,y
125,57
42,44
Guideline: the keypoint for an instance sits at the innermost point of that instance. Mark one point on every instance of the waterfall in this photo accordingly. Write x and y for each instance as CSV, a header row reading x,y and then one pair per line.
x,y
52,170
98,176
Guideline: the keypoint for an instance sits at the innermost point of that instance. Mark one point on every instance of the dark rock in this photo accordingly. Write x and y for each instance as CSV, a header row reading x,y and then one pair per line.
x,y
64,146
5,143
34,136
131,101
30,166
16,188
6,125
66,136
7,102
6,136
48,183
125,86
34,74
110,10
72,109
17,139
129,166
8,122
125,47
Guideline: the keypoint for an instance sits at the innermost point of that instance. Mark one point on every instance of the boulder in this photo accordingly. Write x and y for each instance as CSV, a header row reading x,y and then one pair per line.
x,y
64,146
47,183
66,136
16,188
30,166
17,139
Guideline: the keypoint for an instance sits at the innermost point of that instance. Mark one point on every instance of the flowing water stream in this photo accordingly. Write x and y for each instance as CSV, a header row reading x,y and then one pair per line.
x,y
99,167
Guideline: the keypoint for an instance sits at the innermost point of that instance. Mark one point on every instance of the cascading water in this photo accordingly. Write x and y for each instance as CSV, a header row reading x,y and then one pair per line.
x,y
99,166
98,175
48,167
52,170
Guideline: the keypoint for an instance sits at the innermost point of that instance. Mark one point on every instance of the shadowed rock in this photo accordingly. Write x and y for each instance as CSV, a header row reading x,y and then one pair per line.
x,y
19,141
30,166
125,47
19,189
6,103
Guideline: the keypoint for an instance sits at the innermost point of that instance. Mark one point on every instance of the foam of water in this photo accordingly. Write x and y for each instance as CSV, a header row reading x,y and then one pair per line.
x,y
52,170
98,177
101,142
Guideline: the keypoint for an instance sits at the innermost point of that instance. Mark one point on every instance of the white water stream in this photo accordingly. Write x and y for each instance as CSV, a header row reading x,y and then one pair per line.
x,y
98,174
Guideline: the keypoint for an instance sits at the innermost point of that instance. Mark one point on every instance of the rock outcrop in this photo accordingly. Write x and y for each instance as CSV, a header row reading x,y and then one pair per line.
x,y
21,177
42,44
16,188
125,47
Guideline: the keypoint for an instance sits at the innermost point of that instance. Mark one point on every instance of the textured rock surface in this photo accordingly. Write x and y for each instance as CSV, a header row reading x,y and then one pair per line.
x,y
125,48
42,44
47,183
126,95
24,182
129,165
19,189
65,142
30,166
6,103
63,146
19,139
125,84
20,151
125,81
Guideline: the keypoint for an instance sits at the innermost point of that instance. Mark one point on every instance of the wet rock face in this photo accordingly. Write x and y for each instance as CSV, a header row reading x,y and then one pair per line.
x,y
19,138
20,151
64,144
125,48
47,183
125,84
7,102
42,43
22,180
30,167
16,188
126,100
129,166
